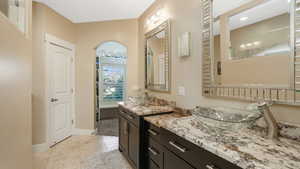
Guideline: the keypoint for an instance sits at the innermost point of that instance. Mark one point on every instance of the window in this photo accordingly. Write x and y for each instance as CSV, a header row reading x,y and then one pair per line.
x,y
111,73
15,11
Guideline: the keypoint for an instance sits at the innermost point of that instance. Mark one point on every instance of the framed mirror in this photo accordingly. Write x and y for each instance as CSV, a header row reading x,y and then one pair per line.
x,y
158,58
250,50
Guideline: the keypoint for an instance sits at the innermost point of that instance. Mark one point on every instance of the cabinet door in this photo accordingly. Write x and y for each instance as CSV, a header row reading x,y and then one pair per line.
x,y
152,165
123,134
171,161
133,149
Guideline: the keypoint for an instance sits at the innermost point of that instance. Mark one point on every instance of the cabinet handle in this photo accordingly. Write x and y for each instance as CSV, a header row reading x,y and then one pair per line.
x,y
153,151
53,100
152,132
127,115
180,148
211,167
130,117
125,128
123,113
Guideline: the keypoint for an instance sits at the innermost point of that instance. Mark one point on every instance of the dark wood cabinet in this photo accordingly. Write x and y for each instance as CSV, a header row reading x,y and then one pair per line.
x,y
129,138
166,150
123,135
171,161
132,139
133,143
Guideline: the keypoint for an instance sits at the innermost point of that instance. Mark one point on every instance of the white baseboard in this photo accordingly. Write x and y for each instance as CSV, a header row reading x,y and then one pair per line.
x,y
82,132
40,147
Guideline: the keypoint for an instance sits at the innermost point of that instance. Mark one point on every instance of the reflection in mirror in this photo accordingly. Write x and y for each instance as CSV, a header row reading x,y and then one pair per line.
x,y
14,10
252,43
157,58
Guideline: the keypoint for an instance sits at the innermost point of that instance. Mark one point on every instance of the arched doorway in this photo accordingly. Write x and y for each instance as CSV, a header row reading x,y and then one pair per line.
x,y
111,60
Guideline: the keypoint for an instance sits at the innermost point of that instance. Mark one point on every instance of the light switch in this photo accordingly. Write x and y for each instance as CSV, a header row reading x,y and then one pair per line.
x,y
181,91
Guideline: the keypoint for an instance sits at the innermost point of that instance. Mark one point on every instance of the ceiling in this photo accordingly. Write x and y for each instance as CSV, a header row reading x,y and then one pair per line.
x,y
79,11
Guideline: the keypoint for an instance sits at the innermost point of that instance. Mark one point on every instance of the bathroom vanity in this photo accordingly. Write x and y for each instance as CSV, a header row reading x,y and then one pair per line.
x,y
160,137
131,130
166,150
241,59
187,142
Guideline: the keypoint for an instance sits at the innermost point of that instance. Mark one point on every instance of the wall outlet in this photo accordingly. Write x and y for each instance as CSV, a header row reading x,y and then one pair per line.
x,y
181,91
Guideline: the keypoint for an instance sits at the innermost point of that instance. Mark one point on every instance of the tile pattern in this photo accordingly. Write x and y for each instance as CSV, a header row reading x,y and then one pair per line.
x,y
109,160
246,148
82,152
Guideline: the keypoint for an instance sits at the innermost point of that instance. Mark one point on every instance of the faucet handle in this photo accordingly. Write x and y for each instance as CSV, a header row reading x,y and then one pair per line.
x,y
265,103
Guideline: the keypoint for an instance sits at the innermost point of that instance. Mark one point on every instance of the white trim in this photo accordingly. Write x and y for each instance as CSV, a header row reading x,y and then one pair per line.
x,y
77,131
40,147
112,104
52,40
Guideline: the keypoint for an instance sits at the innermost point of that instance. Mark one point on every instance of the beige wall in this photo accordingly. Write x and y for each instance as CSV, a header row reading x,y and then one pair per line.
x,y
15,96
268,70
89,36
45,20
86,37
187,71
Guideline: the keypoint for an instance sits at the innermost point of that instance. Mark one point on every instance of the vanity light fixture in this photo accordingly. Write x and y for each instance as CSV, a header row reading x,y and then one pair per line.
x,y
243,46
159,17
257,43
249,44
244,18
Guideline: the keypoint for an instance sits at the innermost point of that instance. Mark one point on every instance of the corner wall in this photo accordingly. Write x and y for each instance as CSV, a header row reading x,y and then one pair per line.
x,y
89,36
86,37
45,20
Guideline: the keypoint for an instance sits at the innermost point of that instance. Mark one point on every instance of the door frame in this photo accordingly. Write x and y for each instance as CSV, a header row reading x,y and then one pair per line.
x,y
52,40
95,76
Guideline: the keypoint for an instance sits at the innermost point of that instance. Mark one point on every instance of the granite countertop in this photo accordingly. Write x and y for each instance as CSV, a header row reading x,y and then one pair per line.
x,y
146,110
246,148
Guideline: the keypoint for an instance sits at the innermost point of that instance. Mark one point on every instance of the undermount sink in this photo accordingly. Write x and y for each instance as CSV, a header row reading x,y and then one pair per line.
x,y
226,118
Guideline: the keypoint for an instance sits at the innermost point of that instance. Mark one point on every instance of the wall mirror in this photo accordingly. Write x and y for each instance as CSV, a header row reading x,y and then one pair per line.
x,y
250,50
158,58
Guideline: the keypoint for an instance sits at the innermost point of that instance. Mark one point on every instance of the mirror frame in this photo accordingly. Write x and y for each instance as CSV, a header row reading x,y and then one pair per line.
x,y
289,96
165,26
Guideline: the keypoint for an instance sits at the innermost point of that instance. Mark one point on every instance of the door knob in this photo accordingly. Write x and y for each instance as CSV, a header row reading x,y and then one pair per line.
x,y
54,100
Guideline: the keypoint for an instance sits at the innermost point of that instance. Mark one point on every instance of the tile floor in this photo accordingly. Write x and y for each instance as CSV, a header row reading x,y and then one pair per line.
x,y
108,127
82,152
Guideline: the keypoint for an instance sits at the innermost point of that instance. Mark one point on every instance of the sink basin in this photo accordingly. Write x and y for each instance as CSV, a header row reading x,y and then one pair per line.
x,y
226,118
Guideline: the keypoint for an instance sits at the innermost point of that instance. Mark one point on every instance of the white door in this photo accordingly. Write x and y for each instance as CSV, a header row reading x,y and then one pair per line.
x,y
61,92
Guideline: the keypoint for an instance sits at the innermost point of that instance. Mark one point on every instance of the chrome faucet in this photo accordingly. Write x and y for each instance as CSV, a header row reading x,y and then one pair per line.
x,y
264,108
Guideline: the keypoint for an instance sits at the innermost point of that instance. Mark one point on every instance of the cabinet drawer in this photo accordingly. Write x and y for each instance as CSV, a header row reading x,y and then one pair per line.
x,y
154,152
193,154
171,161
131,117
152,131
